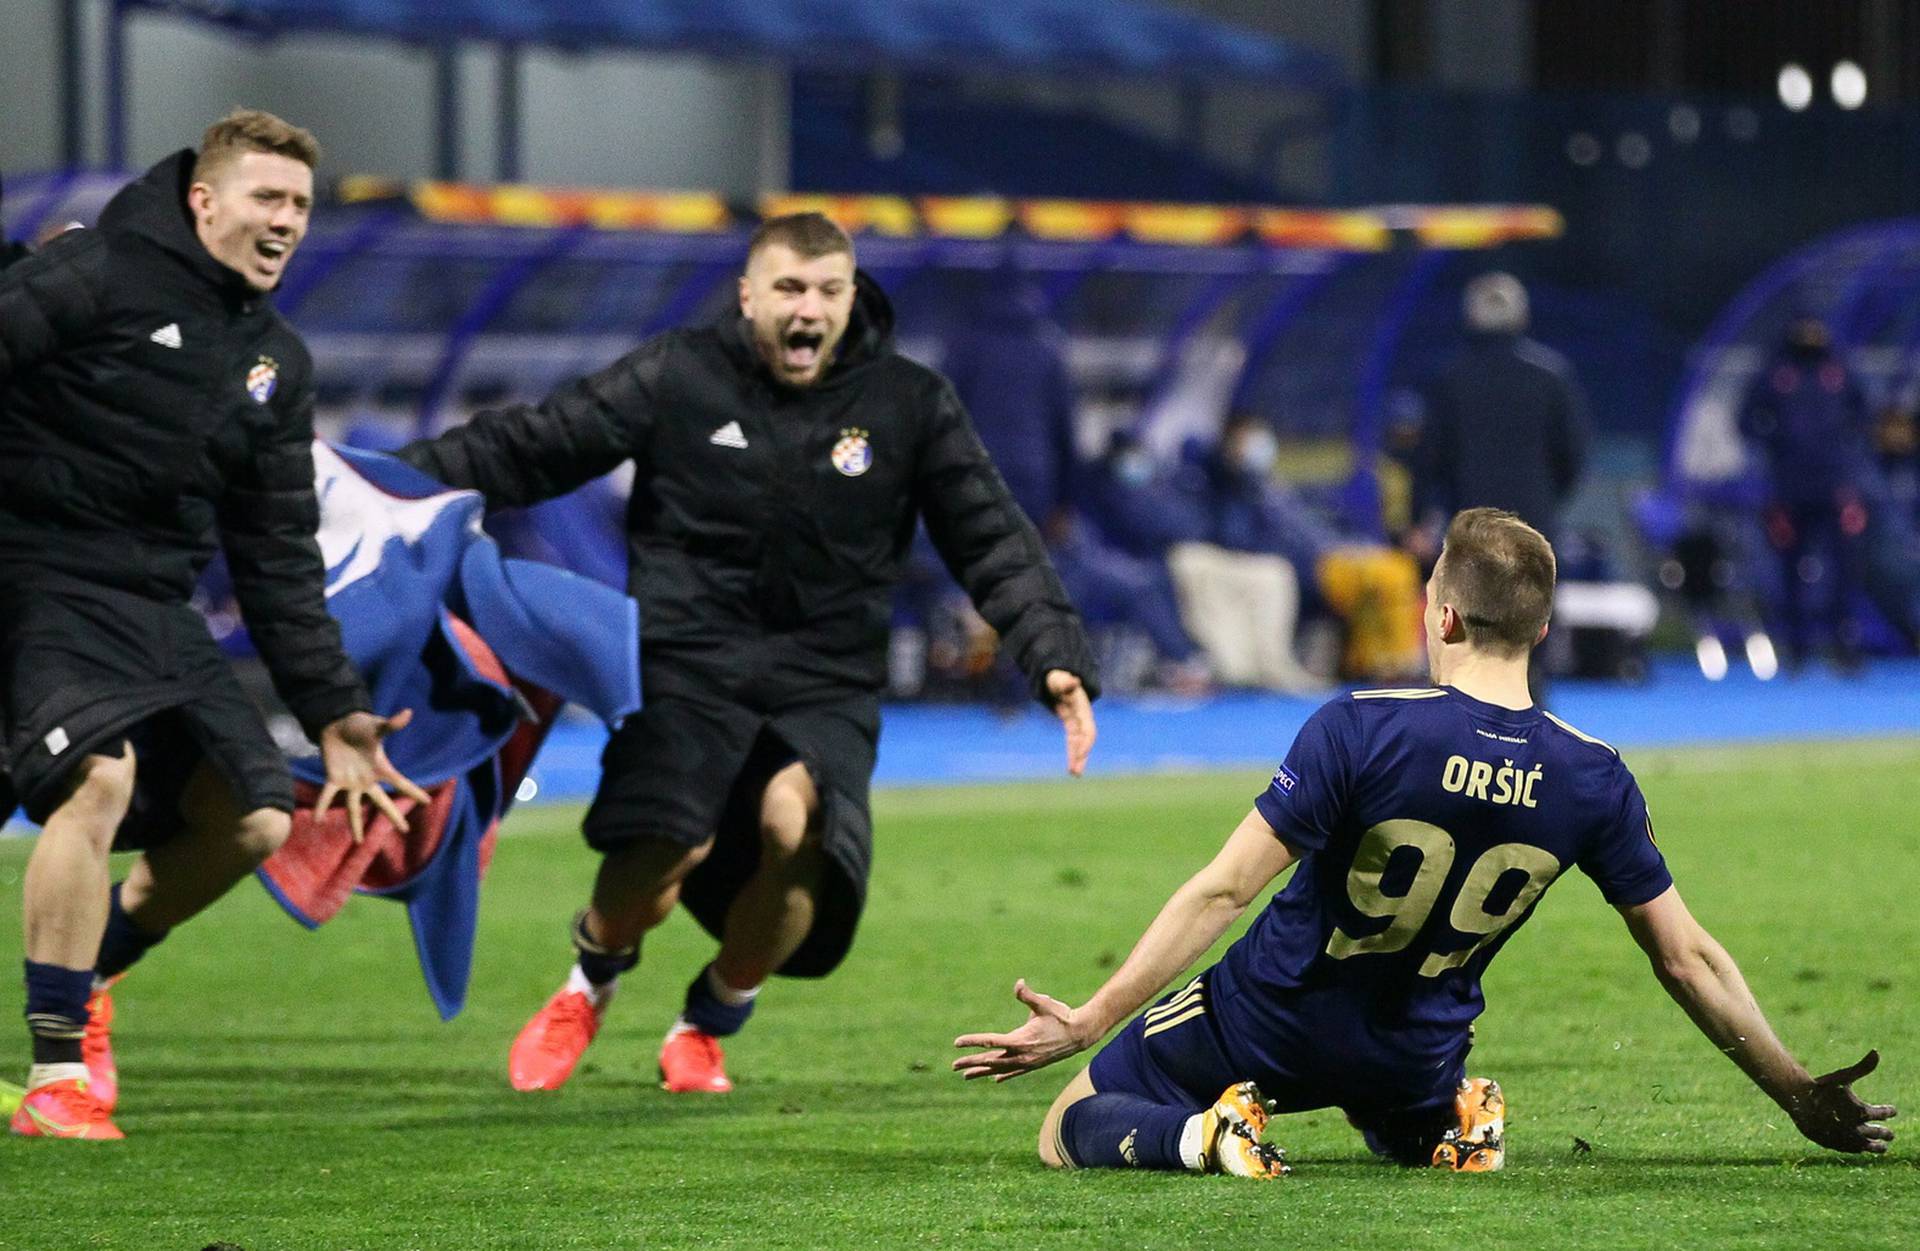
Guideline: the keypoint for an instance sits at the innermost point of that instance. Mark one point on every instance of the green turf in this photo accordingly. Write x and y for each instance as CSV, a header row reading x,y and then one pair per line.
x,y
292,1090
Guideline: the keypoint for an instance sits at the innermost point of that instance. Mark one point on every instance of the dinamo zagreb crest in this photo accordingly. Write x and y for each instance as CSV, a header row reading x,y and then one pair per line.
x,y
262,379
853,455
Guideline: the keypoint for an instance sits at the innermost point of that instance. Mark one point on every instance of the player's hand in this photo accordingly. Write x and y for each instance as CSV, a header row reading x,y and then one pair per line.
x,y
1075,710
1051,1033
1829,1113
357,766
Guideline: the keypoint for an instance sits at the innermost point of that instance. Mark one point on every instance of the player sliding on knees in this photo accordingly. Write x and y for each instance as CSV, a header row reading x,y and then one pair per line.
x,y
1425,824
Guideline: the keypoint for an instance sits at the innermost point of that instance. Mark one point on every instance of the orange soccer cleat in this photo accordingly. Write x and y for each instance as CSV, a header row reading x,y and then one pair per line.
x,y
691,1060
96,1049
1479,1143
545,1053
63,1109
1230,1136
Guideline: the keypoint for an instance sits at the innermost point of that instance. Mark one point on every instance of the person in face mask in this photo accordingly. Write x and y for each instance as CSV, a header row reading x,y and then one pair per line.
x,y
1114,557
1373,590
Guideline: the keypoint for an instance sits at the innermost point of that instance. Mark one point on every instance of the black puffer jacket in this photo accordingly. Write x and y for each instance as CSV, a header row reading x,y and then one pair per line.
x,y
150,400
768,525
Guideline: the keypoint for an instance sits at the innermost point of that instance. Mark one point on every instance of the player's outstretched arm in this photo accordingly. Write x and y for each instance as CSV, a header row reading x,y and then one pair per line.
x,y
1704,980
1189,923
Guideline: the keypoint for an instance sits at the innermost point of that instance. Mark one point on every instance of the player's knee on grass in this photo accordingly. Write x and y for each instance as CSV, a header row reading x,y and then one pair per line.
x,y
100,791
1052,1154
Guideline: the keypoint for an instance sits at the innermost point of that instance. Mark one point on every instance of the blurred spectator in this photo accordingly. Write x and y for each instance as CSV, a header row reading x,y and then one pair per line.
x,y
1808,424
1375,590
1007,361
1505,424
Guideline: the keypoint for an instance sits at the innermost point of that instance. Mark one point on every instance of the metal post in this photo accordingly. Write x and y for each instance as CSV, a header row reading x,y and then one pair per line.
x,y
446,102
506,115
116,86
1192,136
774,166
73,131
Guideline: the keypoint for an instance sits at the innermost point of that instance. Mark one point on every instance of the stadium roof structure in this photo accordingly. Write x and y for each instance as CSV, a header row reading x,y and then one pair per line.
x,y
1108,38
1131,37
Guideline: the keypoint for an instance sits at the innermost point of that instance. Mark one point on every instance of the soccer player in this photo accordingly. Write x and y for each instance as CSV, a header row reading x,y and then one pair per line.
x,y
1425,824
151,400
782,457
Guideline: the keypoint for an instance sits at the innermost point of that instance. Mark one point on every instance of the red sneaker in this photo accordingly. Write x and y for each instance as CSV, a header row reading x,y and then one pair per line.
x,y
96,1048
543,1056
691,1060
65,1109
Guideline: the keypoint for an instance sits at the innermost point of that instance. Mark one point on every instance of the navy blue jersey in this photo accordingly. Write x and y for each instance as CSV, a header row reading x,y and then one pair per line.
x,y
1429,824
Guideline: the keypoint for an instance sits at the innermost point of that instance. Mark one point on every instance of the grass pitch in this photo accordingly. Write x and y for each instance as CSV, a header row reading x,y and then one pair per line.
x,y
291,1090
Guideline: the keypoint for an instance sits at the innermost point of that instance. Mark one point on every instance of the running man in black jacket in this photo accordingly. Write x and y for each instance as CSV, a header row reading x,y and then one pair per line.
x,y
782,459
151,400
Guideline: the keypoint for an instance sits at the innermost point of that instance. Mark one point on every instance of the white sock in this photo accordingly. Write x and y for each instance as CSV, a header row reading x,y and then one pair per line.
x,y
732,997
42,1074
597,993
1190,1152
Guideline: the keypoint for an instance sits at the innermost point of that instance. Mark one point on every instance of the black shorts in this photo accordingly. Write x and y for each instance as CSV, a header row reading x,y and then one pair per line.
x,y
690,769
87,669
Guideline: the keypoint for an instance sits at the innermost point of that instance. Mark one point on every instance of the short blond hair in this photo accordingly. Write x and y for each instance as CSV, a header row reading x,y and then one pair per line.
x,y
1498,573
252,130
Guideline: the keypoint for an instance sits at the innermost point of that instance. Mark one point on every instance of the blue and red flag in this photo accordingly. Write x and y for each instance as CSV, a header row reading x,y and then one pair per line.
x,y
485,650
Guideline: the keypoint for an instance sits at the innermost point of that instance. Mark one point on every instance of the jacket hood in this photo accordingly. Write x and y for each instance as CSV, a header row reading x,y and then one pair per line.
x,y
869,335
154,207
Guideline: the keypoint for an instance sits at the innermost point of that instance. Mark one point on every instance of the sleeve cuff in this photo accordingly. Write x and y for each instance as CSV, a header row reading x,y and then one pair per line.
x,y
1285,828
315,713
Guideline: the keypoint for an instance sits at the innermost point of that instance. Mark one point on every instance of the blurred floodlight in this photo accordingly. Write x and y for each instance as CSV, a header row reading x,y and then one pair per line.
x,y
1683,123
1634,150
1796,86
1713,658
1743,124
1849,85
1583,148
1760,656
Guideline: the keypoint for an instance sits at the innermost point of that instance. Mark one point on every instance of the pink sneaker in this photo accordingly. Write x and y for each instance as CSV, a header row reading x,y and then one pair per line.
x,y
65,1109
96,1048
545,1053
691,1060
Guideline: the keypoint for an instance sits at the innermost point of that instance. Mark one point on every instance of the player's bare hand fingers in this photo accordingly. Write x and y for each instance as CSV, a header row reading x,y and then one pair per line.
x,y
1037,1003
1852,1073
398,721
983,1040
328,794
388,808
401,782
356,822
